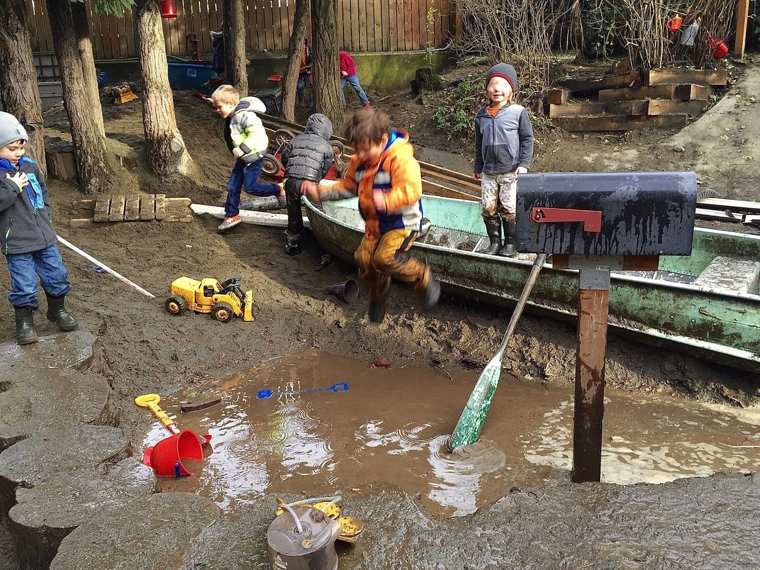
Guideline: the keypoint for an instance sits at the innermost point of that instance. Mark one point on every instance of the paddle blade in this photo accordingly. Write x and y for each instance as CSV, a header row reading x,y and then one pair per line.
x,y
470,424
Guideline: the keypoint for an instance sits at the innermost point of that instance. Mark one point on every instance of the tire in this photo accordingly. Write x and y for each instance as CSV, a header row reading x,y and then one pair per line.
x,y
270,165
222,312
175,305
281,137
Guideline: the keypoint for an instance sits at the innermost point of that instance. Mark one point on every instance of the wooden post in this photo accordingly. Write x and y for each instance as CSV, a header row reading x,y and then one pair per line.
x,y
742,16
593,306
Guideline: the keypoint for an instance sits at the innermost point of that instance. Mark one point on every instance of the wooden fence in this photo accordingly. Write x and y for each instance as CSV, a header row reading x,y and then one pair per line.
x,y
363,25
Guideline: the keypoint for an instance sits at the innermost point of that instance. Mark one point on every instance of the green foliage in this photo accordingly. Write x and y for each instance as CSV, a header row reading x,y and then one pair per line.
x,y
455,108
113,7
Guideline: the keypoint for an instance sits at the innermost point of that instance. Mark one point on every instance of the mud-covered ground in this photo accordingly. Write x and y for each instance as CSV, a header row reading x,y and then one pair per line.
x,y
141,348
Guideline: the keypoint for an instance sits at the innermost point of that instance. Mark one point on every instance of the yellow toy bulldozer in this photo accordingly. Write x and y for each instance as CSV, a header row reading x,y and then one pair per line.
x,y
221,300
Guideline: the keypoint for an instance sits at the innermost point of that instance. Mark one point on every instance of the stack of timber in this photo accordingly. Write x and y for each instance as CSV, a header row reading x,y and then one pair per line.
x,y
135,208
659,98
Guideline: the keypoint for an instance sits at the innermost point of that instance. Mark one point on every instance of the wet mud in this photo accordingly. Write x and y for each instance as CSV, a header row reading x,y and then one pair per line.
x,y
319,423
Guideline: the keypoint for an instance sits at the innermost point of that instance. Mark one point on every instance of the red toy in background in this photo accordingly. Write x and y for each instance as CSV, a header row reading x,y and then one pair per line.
x,y
674,24
168,10
717,46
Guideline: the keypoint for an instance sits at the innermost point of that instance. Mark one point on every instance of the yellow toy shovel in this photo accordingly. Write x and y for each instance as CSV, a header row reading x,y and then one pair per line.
x,y
151,401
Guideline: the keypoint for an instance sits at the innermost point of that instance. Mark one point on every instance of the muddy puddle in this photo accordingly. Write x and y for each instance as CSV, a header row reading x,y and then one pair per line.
x,y
319,424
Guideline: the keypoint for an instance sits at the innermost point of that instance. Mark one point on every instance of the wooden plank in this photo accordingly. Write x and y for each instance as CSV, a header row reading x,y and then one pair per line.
x,y
634,108
694,92
596,84
177,206
377,36
132,209
742,17
362,11
346,24
717,77
116,212
558,96
620,123
160,206
147,208
717,215
627,94
670,107
100,214
393,33
355,25
734,205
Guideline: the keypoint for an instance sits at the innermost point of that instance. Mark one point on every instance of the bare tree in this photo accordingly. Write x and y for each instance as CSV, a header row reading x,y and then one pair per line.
x,y
236,60
295,49
167,153
19,93
82,29
325,68
93,168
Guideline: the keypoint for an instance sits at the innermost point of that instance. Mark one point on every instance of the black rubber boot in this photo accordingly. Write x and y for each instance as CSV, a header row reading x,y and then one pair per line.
x,y
293,244
509,238
493,229
431,294
58,314
25,333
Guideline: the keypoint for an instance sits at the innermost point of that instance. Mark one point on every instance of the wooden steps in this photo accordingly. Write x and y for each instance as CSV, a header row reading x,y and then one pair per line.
x,y
623,104
136,207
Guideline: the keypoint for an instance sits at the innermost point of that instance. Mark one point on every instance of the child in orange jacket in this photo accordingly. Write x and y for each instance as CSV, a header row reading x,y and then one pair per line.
x,y
385,176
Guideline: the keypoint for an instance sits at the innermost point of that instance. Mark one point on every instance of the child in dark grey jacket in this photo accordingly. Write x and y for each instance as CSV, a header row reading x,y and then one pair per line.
x,y
503,149
307,158
27,237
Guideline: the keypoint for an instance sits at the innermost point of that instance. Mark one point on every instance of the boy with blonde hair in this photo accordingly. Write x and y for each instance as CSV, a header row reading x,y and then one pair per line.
x,y
247,140
385,176
503,150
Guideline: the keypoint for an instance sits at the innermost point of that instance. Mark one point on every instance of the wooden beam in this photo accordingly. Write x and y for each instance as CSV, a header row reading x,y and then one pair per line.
x,y
606,82
696,76
620,123
116,212
558,96
591,353
670,107
742,16
659,92
629,108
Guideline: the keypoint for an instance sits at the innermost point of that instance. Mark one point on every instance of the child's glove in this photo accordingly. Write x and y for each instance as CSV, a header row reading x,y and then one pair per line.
x,y
19,179
521,170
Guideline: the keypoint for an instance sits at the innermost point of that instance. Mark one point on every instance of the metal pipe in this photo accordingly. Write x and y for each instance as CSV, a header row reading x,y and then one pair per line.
x,y
299,526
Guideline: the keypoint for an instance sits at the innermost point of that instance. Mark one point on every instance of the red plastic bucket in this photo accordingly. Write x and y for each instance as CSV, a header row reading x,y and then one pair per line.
x,y
166,457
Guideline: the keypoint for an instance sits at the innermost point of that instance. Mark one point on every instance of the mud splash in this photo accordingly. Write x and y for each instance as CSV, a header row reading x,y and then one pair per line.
x,y
318,423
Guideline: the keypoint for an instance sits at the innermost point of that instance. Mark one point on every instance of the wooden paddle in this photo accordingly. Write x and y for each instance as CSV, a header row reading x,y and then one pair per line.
x,y
470,424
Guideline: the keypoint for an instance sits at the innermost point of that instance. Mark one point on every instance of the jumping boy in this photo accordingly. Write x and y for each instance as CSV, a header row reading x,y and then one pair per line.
x,y
27,236
247,141
503,150
385,175
307,158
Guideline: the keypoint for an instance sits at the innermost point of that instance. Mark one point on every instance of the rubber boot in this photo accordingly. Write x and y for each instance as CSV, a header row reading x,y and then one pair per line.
x,y
377,298
493,229
293,243
429,290
25,333
509,238
57,313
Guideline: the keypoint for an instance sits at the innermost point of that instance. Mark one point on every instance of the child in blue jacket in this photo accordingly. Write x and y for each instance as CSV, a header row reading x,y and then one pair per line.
x,y
27,236
503,150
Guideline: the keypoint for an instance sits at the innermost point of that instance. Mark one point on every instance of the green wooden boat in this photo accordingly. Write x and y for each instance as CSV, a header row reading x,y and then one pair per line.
x,y
707,303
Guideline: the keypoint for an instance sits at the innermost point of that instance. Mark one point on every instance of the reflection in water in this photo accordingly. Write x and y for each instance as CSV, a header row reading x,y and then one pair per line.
x,y
390,427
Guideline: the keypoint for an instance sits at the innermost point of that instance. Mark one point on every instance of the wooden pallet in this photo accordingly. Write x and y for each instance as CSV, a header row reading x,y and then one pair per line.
x,y
136,207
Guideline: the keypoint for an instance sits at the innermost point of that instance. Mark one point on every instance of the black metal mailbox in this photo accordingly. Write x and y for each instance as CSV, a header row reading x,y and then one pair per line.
x,y
610,214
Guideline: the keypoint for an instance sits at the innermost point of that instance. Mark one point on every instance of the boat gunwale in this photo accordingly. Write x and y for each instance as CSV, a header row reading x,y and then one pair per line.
x,y
615,275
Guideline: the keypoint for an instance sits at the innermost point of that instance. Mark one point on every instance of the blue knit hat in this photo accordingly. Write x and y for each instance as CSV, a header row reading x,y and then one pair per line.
x,y
11,130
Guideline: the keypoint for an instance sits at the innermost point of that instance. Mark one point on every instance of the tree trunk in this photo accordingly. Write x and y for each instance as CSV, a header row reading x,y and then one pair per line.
x,y
236,61
19,93
82,30
93,168
295,49
167,154
325,68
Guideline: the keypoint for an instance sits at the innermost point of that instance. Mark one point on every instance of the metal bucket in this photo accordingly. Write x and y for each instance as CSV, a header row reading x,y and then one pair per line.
x,y
303,538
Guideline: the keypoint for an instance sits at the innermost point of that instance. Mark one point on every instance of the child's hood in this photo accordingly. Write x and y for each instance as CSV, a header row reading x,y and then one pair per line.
x,y
398,144
250,104
319,124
